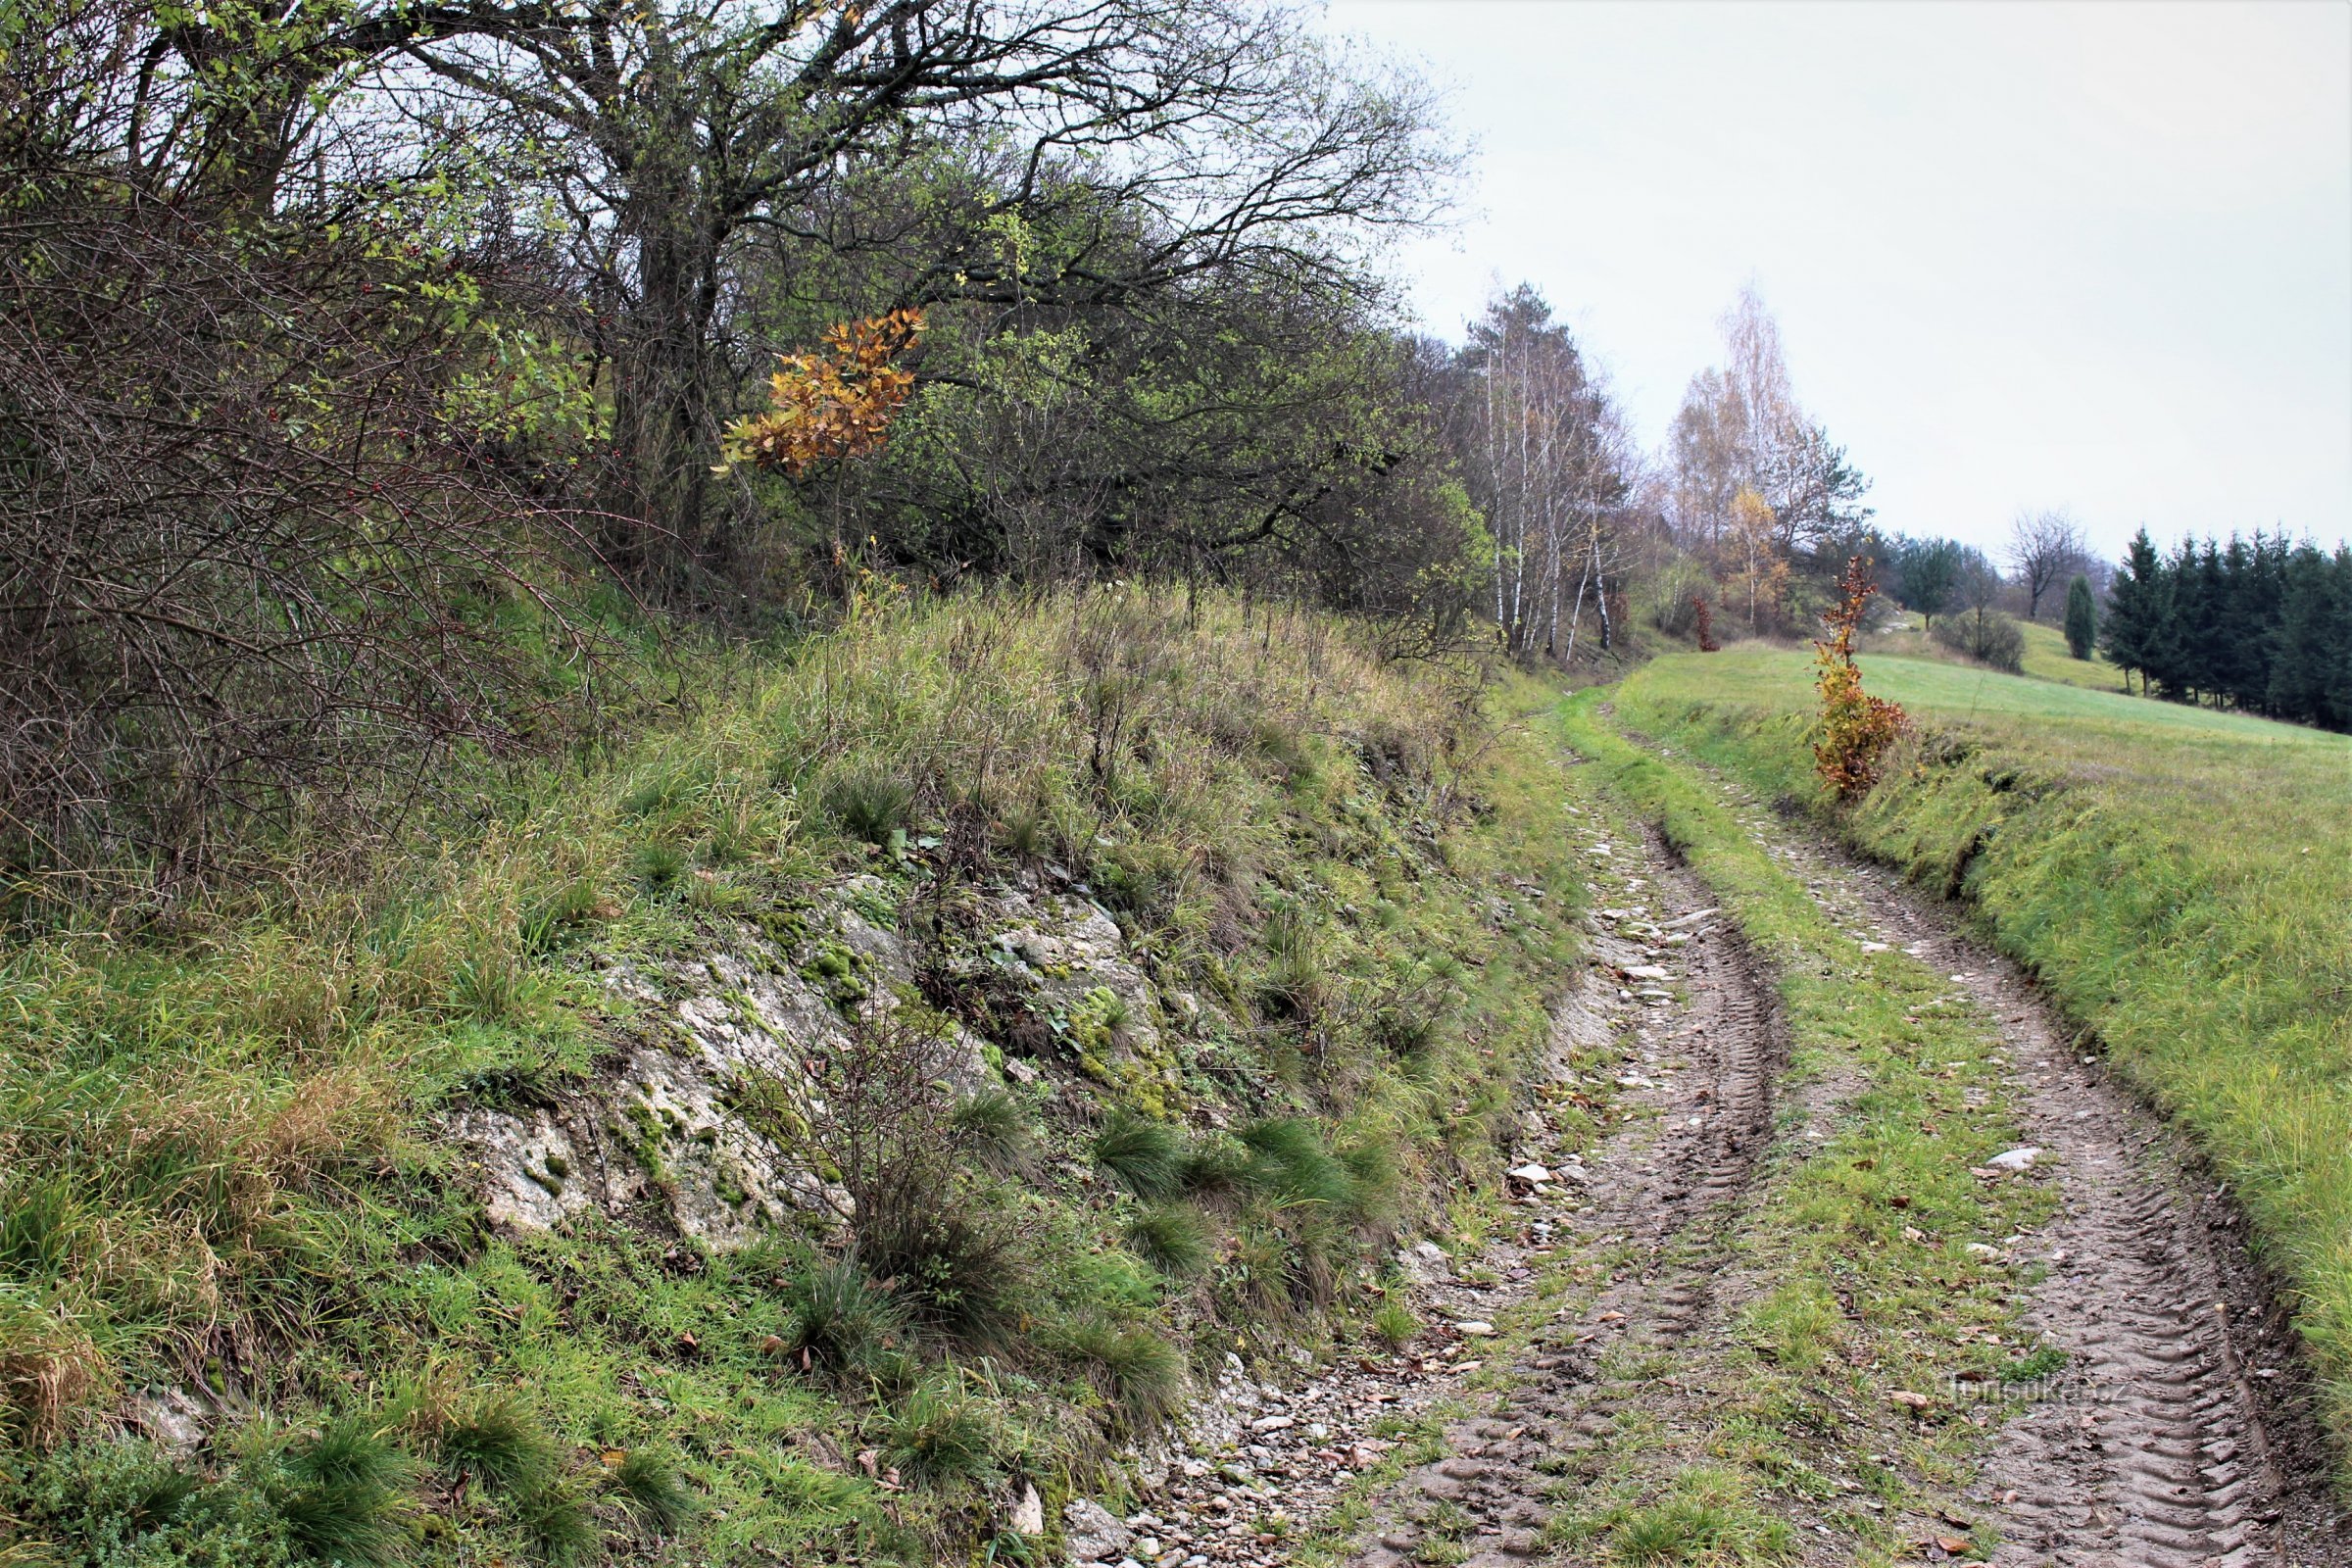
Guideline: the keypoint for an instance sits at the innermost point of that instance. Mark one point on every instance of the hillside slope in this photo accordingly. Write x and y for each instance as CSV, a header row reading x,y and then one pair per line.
x,y
828,1129
2175,876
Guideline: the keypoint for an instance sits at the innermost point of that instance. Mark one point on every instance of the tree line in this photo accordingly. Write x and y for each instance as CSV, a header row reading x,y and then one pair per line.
x,y
2255,624
376,380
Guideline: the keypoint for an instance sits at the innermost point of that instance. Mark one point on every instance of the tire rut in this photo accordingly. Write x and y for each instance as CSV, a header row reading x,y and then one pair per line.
x,y
1664,1191
2160,1446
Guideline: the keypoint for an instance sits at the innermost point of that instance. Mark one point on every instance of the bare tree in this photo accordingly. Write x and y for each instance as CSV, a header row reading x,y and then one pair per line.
x,y
1754,483
2045,552
1548,459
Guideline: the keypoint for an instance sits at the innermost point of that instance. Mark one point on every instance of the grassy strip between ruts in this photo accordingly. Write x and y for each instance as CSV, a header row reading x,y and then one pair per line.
x,y
1844,1400
2175,877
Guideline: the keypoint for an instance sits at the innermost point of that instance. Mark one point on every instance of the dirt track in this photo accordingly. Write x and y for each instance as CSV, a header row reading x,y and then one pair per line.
x,y
2187,1437
2178,1435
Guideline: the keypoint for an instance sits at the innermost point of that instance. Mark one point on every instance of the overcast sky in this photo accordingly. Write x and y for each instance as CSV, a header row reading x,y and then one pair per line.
x,y
2093,255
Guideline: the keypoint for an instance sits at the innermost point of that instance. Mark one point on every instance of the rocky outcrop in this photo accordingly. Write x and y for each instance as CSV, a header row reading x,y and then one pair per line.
x,y
745,1023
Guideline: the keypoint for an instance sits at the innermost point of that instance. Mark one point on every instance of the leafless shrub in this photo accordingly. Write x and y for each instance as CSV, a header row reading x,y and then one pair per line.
x,y
257,527
921,1214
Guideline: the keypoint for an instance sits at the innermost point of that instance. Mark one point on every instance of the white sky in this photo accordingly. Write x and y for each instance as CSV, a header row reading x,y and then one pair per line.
x,y
2094,254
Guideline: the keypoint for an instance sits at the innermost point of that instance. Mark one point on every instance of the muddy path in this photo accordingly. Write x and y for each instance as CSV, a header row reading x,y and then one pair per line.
x,y
1650,1208
2183,1431
2177,1432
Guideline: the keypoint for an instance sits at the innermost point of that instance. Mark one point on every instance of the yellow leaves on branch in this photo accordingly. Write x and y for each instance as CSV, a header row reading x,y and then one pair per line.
x,y
836,403
1856,728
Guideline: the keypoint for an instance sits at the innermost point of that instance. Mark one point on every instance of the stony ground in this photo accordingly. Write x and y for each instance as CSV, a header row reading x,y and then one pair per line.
x,y
2179,1434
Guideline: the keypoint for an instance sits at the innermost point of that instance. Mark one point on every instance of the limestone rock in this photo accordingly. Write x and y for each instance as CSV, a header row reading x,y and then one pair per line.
x,y
1094,1532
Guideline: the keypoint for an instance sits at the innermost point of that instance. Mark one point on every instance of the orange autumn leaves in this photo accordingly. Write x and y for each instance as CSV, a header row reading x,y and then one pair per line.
x,y
1856,728
835,403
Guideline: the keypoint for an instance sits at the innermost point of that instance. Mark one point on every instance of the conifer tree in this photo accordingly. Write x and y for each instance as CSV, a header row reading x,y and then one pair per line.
x,y
2139,612
2197,645
2302,641
2338,661
2081,619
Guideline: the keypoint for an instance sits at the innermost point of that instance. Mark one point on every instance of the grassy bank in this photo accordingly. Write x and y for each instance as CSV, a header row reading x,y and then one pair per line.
x,y
255,1307
1859,1246
2178,879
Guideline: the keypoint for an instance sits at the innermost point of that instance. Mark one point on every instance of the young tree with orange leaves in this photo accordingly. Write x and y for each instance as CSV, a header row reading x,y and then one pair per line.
x,y
1856,728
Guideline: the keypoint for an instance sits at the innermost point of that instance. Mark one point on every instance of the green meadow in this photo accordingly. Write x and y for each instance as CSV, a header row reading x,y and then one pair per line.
x,y
2179,879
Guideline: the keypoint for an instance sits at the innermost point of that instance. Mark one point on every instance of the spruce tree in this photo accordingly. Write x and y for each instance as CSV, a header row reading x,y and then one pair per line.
x,y
2138,611
2200,601
2303,639
2081,619
2338,661
2242,625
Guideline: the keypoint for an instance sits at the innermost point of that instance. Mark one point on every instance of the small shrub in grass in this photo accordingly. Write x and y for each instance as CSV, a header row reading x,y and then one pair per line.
x,y
869,803
1986,636
837,1319
113,1505
937,1435
1136,1372
345,1494
952,1241
653,1492
1171,1238
1147,1158
1395,1325
960,1258
498,1444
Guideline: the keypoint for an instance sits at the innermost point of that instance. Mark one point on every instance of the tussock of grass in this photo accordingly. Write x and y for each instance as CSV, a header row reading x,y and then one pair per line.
x,y
499,1444
938,1435
836,1318
344,1497
1172,1238
1395,1325
1141,1374
1143,1157
2176,878
651,1489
